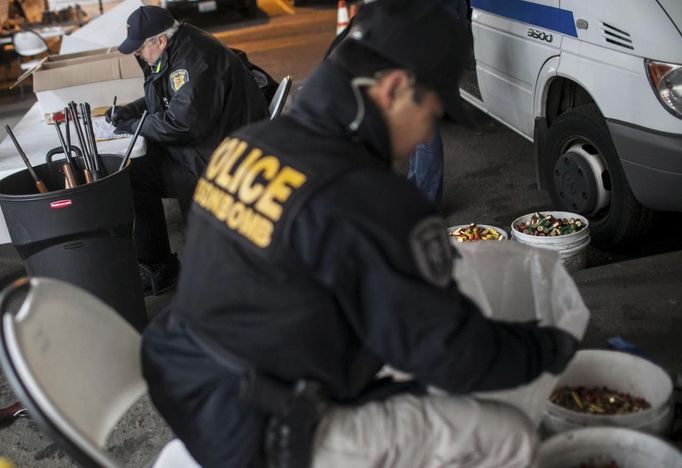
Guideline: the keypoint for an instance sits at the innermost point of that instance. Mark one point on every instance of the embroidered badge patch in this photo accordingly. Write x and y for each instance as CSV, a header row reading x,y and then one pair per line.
x,y
261,79
432,251
178,78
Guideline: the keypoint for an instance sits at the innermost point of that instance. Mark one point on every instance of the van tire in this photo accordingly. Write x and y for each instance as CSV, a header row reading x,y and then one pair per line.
x,y
624,221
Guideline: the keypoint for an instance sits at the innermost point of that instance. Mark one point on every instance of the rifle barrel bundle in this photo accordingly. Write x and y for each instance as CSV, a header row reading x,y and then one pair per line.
x,y
91,166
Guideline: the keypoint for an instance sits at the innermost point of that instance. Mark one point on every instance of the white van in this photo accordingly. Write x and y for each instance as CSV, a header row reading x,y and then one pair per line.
x,y
597,86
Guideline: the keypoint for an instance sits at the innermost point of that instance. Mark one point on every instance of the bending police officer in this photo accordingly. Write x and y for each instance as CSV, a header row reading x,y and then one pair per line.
x,y
309,265
197,91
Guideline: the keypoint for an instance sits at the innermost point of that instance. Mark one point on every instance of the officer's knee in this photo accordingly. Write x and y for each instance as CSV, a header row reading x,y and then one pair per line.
x,y
515,437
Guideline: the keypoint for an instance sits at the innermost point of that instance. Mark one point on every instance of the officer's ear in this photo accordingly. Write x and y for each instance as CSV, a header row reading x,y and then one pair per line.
x,y
388,86
163,41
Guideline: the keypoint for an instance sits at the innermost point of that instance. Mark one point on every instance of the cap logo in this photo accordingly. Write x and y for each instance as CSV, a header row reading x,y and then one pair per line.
x,y
356,34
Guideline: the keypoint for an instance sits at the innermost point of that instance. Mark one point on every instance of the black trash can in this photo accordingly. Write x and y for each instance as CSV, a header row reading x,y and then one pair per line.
x,y
82,235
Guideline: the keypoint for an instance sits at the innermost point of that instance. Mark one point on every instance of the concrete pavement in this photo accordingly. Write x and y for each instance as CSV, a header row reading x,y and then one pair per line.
x,y
639,300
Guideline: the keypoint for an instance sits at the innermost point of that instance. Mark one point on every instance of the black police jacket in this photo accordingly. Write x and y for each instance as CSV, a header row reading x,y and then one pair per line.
x,y
201,93
308,257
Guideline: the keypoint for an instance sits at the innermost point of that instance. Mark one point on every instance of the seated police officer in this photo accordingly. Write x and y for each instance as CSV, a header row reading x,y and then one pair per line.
x,y
197,91
309,265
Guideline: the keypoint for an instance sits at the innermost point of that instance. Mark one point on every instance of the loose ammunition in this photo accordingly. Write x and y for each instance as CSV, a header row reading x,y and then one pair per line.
x,y
598,400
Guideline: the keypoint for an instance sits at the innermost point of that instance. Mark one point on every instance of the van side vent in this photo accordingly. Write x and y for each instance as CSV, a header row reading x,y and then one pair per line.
x,y
618,37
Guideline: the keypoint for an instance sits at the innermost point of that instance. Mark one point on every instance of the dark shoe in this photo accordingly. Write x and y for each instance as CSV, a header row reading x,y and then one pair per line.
x,y
159,277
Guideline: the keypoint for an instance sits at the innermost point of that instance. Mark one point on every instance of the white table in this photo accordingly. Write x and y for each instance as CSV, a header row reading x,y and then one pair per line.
x,y
36,138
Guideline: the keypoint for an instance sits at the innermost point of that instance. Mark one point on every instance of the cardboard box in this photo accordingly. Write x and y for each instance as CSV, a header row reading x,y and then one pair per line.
x,y
94,76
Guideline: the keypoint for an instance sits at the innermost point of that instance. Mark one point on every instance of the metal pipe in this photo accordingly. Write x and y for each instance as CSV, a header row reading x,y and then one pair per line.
x,y
132,142
99,168
86,137
79,134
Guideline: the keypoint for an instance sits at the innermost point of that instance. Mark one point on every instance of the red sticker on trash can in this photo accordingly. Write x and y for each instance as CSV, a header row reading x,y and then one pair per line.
x,y
60,204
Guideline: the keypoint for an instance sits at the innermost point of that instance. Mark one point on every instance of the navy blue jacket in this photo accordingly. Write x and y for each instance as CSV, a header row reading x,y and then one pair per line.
x,y
309,258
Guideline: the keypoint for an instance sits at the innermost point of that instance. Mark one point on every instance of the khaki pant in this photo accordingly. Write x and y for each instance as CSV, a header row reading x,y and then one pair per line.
x,y
424,432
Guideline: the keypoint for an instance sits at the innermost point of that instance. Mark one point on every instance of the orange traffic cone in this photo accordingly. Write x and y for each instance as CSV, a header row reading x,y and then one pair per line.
x,y
353,10
341,16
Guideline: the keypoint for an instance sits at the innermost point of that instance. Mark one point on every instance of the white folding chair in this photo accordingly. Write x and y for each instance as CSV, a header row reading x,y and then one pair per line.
x,y
29,43
75,364
280,97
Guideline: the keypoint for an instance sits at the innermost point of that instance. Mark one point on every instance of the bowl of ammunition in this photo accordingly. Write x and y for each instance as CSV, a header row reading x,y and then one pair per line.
x,y
561,231
550,224
475,232
607,447
610,388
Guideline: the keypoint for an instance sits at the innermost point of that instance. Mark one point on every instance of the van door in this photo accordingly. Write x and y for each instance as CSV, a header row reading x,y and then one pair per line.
x,y
512,40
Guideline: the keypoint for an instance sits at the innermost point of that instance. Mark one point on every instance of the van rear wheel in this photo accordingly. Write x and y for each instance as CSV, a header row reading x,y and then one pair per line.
x,y
587,178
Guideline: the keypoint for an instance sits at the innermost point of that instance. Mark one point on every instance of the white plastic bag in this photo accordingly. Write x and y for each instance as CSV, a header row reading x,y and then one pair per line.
x,y
513,282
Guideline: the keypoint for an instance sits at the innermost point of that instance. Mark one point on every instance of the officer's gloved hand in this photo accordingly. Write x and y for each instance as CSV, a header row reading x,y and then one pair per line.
x,y
565,346
126,126
120,113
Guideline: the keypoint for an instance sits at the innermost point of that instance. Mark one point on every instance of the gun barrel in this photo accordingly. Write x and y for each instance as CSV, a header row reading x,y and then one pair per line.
x,y
132,141
40,185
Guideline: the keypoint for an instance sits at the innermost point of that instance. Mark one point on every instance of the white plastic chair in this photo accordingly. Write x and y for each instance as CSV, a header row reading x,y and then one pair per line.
x,y
280,97
75,364
29,43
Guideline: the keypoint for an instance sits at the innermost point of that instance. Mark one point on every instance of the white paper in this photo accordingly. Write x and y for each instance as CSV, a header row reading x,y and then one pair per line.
x,y
105,131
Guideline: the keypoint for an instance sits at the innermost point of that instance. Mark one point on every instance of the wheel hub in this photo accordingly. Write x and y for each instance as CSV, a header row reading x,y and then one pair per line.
x,y
579,178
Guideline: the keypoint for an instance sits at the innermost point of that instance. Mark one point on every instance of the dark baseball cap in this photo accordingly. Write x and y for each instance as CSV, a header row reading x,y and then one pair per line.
x,y
143,23
420,36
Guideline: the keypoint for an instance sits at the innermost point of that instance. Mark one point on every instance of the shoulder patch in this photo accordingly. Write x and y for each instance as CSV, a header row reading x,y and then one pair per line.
x,y
178,78
261,79
432,251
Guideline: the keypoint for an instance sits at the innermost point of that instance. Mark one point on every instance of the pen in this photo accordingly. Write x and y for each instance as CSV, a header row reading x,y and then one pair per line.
x,y
113,108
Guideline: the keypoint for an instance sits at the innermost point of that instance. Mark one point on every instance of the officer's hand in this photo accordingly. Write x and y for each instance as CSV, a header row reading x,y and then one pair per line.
x,y
126,126
119,114
565,346
107,114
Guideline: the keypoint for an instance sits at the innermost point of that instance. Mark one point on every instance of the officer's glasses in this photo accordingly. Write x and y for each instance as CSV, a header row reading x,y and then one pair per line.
x,y
145,44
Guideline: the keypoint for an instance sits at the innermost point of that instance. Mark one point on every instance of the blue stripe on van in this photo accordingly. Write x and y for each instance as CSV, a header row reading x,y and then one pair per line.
x,y
543,16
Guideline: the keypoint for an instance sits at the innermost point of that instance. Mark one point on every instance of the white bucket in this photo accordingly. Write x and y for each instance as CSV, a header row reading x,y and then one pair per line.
x,y
571,247
618,371
602,445
454,241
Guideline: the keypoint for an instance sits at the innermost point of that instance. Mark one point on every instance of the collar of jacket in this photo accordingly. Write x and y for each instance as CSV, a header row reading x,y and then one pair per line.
x,y
169,55
161,65
328,105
